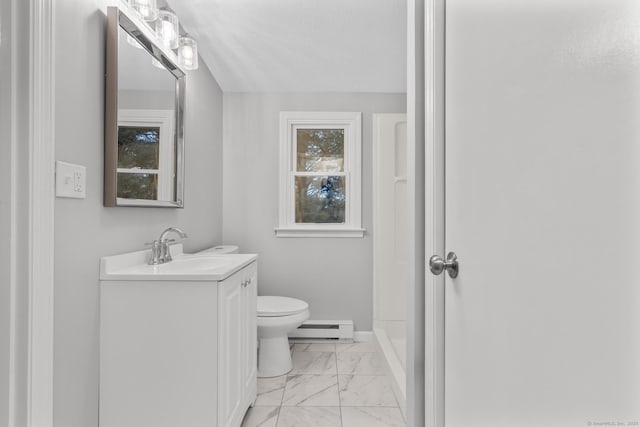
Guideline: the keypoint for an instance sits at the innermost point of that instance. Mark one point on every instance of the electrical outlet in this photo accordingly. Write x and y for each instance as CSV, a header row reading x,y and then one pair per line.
x,y
70,180
78,181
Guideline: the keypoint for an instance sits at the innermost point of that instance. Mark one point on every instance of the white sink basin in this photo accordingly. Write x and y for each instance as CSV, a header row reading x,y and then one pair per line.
x,y
189,267
190,263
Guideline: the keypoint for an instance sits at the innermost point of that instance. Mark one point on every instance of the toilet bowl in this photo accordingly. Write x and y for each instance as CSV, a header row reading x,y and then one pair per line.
x,y
277,316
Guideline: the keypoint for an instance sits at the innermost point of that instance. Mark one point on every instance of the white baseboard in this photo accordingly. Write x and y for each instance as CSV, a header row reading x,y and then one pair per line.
x,y
341,330
324,329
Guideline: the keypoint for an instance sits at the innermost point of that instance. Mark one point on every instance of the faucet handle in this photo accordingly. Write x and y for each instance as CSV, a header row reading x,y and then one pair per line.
x,y
156,253
165,251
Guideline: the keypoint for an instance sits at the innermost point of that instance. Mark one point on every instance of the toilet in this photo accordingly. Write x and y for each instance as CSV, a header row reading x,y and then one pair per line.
x,y
277,316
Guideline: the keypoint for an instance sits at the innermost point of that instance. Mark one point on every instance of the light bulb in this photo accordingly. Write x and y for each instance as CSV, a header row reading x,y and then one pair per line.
x,y
167,29
148,9
188,53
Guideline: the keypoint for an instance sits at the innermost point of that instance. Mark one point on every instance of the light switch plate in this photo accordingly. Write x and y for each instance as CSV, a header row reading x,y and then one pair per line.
x,y
71,180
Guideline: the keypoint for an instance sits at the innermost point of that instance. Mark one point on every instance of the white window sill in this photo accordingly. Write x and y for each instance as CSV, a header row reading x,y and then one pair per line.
x,y
320,232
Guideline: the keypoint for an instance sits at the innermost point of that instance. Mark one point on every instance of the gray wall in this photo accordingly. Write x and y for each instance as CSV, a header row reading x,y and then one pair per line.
x,y
84,229
334,275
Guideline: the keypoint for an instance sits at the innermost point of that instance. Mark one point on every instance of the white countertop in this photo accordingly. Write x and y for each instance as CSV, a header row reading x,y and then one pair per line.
x,y
133,266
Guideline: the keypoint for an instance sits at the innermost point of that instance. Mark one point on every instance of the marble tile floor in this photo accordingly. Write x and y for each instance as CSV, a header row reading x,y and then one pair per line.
x,y
330,385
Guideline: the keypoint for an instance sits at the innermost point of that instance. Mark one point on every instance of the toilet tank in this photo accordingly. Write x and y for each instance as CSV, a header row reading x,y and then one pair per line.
x,y
222,249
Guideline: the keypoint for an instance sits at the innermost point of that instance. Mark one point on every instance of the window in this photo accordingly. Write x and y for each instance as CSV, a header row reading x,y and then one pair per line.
x,y
320,174
145,160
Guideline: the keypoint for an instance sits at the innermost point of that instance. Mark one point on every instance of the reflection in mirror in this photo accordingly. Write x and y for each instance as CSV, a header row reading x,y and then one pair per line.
x,y
143,117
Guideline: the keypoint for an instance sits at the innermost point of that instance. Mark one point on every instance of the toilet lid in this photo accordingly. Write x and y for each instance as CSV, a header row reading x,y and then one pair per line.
x,y
280,306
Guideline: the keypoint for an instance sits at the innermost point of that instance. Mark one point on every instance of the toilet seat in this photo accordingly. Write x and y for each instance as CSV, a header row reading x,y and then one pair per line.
x,y
269,306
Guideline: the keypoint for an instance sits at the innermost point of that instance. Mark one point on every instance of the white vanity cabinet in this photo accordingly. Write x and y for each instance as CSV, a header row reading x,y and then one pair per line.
x,y
237,352
178,352
250,351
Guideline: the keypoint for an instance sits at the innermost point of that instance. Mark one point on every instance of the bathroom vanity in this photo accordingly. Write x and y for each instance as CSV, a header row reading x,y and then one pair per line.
x,y
177,340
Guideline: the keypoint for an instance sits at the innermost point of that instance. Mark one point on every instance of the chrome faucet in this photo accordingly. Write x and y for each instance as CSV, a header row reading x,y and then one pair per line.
x,y
160,252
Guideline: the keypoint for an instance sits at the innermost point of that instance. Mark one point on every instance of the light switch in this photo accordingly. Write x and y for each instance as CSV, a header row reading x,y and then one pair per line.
x,y
70,180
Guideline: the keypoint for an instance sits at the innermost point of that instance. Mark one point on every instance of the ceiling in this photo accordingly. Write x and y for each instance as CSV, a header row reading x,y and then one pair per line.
x,y
300,45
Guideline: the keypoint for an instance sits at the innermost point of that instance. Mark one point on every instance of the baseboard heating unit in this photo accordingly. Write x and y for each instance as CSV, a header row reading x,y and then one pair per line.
x,y
327,329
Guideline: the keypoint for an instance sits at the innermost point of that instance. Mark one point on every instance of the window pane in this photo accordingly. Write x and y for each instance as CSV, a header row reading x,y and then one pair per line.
x,y
138,147
320,199
320,150
138,186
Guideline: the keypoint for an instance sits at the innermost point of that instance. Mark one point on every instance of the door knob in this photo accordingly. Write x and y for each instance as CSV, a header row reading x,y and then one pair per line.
x,y
437,265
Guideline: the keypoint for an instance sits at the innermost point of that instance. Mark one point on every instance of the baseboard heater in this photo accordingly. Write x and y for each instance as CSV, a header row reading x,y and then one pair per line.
x,y
327,329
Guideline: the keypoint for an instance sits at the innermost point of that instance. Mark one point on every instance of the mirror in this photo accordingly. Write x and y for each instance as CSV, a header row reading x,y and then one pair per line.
x,y
144,108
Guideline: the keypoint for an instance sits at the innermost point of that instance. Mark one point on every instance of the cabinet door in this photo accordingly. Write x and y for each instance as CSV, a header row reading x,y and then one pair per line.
x,y
249,353
230,347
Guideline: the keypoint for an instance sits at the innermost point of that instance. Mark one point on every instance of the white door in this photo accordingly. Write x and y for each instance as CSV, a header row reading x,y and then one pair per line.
x,y
542,325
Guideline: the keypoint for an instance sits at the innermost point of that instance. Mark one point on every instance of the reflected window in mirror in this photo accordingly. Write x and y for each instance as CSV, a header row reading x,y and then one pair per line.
x,y
146,157
138,153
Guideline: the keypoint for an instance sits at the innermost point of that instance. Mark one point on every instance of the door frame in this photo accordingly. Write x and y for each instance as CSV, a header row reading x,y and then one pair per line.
x,y
40,213
431,167
415,299
425,114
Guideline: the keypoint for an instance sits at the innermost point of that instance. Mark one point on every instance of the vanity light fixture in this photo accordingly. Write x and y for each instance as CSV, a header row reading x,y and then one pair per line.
x,y
148,9
137,6
188,53
167,28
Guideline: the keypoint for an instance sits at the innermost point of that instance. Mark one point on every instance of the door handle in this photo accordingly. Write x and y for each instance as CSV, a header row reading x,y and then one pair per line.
x,y
437,265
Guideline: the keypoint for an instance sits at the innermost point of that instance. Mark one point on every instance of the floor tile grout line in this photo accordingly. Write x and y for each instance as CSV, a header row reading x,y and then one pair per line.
x,y
284,387
278,416
338,383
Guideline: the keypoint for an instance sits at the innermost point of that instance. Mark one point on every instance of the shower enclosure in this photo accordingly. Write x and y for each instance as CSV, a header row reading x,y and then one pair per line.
x,y
390,245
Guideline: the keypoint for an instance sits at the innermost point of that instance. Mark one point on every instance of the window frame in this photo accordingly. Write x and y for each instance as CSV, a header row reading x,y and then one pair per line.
x,y
351,122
